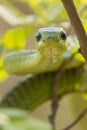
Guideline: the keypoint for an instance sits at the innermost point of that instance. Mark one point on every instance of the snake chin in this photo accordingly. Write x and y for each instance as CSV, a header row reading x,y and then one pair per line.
x,y
50,51
50,48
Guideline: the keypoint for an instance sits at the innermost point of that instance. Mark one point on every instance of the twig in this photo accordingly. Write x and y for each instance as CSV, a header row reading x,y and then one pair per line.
x,y
83,113
77,25
81,35
55,98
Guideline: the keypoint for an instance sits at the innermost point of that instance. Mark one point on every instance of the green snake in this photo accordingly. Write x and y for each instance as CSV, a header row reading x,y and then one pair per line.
x,y
49,55
51,51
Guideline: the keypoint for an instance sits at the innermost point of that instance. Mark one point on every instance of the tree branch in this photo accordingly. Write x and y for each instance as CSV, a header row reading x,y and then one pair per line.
x,y
83,113
77,25
55,97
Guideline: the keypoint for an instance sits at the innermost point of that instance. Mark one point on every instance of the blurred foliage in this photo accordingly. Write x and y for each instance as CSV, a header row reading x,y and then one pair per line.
x,y
16,119
16,38
41,13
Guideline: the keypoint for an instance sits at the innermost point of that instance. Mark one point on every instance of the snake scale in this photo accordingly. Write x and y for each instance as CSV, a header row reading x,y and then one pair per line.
x,y
51,51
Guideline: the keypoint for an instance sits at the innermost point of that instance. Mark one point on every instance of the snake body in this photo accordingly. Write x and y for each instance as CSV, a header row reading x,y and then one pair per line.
x,y
34,91
48,56
51,52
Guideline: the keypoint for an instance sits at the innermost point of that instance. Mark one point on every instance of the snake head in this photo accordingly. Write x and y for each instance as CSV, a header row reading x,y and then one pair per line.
x,y
51,41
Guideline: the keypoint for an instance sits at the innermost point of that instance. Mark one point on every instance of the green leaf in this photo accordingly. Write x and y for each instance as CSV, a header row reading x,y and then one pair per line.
x,y
85,95
15,38
85,25
3,74
80,3
79,57
16,119
10,7
46,11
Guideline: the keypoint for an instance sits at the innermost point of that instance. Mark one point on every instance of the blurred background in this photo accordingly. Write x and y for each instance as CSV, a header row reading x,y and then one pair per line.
x,y
19,21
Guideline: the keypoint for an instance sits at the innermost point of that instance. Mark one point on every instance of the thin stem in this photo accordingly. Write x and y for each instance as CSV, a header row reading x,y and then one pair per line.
x,y
83,113
55,98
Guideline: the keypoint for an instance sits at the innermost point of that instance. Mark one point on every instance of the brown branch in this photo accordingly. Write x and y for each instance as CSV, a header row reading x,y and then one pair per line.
x,y
82,114
77,25
55,98
81,35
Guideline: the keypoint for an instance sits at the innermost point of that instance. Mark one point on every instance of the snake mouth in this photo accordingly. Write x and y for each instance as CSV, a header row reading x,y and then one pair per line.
x,y
51,48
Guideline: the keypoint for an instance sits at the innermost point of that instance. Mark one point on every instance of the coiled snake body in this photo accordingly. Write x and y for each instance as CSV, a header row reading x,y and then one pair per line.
x,y
48,56
51,52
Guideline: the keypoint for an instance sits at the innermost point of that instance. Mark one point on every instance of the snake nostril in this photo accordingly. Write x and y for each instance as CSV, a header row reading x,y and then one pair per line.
x,y
50,38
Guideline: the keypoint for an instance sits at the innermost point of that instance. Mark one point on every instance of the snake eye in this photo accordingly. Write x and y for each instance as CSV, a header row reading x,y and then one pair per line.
x,y
63,36
38,36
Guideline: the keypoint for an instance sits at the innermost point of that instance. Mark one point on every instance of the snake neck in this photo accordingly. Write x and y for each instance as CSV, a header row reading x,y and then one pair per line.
x,y
48,63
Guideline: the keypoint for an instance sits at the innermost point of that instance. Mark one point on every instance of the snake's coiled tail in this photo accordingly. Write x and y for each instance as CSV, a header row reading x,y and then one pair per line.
x,y
37,89
49,55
